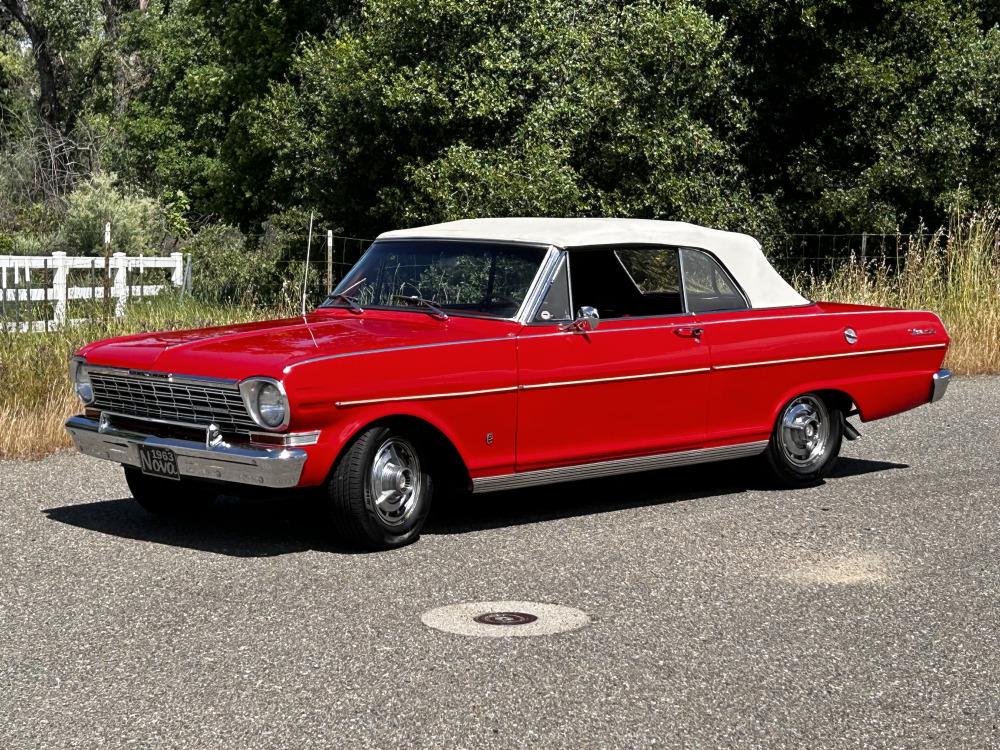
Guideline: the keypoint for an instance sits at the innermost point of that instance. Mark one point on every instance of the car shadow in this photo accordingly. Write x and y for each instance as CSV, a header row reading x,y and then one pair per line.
x,y
279,526
229,526
571,499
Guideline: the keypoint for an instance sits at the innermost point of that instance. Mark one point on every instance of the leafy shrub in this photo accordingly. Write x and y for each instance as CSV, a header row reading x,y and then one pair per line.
x,y
138,223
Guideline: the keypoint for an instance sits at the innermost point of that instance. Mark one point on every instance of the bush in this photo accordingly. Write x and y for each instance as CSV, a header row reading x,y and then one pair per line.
x,y
231,267
138,223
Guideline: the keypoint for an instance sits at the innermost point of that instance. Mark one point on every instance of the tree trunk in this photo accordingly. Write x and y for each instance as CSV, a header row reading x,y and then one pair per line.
x,y
49,107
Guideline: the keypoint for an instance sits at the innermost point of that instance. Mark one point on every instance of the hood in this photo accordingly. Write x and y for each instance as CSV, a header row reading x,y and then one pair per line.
x,y
268,347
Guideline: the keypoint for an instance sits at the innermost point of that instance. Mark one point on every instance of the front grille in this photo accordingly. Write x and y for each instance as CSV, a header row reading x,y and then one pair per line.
x,y
158,398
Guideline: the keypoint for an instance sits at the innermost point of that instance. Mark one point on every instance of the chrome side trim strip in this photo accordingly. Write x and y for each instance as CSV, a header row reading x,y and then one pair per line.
x,y
426,396
794,316
499,482
641,376
620,378
663,326
288,368
528,387
827,356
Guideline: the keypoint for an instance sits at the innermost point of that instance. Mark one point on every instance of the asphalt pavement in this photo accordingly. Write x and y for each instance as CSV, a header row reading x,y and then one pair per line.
x,y
722,612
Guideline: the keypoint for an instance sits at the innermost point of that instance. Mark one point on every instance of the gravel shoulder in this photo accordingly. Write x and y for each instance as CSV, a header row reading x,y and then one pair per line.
x,y
722,613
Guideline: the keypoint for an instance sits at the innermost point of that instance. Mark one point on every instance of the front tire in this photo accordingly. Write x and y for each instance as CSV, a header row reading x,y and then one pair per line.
x,y
805,441
379,493
169,497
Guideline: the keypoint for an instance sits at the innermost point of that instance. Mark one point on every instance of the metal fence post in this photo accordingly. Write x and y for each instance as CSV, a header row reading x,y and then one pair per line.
x,y
329,261
60,274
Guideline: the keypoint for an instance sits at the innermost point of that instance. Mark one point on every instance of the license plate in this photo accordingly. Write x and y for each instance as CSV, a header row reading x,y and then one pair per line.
x,y
158,462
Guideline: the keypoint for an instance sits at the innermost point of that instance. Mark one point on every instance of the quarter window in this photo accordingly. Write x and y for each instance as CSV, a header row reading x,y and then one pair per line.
x,y
707,285
556,305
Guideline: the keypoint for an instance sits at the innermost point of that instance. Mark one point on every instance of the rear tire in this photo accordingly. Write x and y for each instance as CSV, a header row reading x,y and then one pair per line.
x,y
805,441
379,492
169,497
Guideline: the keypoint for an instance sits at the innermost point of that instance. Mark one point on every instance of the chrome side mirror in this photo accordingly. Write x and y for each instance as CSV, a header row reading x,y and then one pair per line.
x,y
587,319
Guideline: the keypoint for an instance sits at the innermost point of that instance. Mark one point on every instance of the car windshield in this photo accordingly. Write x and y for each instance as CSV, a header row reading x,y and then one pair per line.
x,y
474,278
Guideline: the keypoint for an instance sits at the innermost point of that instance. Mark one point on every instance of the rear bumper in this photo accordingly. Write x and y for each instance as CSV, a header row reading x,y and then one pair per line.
x,y
260,467
939,384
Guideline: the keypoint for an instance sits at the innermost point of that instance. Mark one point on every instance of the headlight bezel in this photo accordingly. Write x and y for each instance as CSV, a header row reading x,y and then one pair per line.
x,y
78,376
250,390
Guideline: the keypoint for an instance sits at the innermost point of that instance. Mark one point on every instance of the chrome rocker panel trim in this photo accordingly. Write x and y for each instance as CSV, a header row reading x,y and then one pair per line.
x,y
501,482
939,384
261,467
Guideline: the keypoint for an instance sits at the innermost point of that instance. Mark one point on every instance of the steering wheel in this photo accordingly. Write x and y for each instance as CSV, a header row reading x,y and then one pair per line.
x,y
414,287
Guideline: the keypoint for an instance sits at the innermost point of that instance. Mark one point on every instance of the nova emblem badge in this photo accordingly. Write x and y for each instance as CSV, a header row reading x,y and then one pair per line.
x,y
923,331
850,335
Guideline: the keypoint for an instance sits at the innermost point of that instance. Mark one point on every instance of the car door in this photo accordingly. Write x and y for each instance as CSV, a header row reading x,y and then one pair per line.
x,y
633,386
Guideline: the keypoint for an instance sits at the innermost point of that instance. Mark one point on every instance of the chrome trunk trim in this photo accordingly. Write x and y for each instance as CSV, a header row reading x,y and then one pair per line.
x,y
576,472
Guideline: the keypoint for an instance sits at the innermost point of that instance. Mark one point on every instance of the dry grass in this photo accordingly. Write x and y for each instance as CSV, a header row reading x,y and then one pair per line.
x,y
955,274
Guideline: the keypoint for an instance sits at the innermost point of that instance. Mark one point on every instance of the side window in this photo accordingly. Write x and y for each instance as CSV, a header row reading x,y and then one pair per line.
x,y
556,306
627,282
707,286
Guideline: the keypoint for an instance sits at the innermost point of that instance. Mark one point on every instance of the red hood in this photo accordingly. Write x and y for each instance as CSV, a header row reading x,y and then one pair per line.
x,y
266,348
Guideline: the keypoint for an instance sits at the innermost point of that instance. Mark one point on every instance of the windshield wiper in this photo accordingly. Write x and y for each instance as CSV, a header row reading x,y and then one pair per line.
x,y
345,296
432,307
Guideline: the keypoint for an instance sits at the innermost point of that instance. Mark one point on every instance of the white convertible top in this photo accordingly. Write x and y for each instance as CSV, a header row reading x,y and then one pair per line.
x,y
740,253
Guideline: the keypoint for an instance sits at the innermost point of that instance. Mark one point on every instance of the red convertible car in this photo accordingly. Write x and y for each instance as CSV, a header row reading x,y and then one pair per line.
x,y
493,354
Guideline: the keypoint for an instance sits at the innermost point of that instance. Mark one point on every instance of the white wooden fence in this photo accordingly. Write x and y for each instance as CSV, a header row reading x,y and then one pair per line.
x,y
18,296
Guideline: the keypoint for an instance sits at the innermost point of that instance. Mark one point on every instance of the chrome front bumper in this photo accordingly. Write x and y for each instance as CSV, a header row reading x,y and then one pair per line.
x,y
939,384
261,467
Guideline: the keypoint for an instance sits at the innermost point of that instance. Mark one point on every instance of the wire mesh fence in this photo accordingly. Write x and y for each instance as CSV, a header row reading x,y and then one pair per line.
x,y
820,254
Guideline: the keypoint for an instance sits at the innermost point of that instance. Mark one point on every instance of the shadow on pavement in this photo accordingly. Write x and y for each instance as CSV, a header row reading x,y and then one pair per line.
x,y
265,528
557,501
240,528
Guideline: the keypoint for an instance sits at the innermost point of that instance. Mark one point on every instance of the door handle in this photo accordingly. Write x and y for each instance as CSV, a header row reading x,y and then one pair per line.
x,y
689,333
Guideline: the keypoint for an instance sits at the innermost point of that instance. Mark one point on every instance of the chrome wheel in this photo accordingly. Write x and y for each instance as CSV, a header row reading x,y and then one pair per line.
x,y
805,432
395,481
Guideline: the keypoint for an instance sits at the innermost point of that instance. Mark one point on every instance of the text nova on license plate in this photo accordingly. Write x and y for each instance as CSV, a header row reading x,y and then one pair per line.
x,y
158,462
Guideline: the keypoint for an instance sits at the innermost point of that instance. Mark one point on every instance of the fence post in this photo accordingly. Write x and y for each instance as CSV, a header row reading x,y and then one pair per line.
x,y
329,261
107,270
60,272
120,264
177,275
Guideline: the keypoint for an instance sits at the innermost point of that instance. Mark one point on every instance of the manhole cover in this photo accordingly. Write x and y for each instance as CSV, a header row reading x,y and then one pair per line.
x,y
504,619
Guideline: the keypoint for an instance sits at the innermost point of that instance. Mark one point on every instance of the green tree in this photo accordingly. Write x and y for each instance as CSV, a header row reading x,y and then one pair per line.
x,y
424,111
869,115
200,66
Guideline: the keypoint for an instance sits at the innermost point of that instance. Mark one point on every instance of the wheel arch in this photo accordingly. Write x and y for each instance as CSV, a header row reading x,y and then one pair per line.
x,y
442,448
835,396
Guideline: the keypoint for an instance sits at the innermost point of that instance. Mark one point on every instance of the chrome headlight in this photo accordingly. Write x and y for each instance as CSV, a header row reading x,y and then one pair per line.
x,y
81,380
267,402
